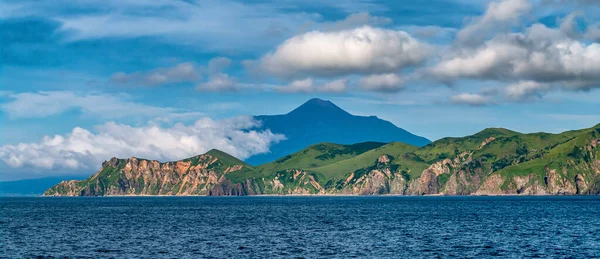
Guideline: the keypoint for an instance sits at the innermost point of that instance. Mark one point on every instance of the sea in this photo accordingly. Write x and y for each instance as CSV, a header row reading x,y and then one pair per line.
x,y
300,227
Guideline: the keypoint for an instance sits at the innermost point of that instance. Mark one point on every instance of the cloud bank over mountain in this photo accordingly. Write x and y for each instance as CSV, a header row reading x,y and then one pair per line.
x,y
83,149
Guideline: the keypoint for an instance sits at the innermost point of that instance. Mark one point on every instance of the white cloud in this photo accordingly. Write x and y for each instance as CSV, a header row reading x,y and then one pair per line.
x,y
356,20
299,86
472,99
308,85
499,15
215,24
540,54
525,90
220,25
569,25
184,72
531,63
430,32
83,149
362,50
382,83
335,86
43,104
218,83
593,32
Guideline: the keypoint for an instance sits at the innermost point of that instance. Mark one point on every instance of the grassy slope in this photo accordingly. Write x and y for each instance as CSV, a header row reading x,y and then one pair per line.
x,y
227,160
318,155
400,151
552,150
510,154
449,147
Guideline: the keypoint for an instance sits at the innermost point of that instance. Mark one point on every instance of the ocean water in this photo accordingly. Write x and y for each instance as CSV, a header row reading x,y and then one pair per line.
x,y
322,227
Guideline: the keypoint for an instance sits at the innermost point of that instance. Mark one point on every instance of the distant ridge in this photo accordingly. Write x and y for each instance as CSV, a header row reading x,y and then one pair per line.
x,y
319,120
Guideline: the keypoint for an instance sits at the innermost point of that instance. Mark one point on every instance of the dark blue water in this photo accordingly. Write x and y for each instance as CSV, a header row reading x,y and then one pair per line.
x,y
300,227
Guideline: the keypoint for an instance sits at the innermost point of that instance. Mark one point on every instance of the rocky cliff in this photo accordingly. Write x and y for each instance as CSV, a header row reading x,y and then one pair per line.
x,y
199,175
492,162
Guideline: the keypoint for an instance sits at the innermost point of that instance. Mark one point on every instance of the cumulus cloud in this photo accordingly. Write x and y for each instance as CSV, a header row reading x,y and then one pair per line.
x,y
593,32
569,25
356,20
498,15
525,90
184,72
43,104
472,99
382,83
540,54
430,32
218,83
532,62
515,92
84,149
361,50
299,86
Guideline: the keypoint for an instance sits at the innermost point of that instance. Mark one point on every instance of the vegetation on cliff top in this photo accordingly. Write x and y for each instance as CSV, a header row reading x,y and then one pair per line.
x,y
318,168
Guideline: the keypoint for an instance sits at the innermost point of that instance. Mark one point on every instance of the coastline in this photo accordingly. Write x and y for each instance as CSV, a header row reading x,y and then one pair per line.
x,y
328,195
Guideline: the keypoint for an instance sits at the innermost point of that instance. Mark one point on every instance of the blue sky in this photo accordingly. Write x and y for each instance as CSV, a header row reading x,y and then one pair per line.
x,y
81,81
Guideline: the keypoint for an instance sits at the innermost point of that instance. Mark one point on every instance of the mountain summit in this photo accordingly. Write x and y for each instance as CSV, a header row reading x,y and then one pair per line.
x,y
318,108
319,120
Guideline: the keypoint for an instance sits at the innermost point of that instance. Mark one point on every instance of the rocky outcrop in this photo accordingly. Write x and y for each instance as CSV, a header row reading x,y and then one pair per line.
x,y
448,177
492,186
502,165
227,188
198,175
380,178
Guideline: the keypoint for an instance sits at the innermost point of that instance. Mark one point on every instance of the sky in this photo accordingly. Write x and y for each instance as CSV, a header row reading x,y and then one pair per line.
x,y
85,80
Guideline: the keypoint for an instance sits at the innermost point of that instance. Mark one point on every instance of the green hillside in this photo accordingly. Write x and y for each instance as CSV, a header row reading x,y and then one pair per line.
x,y
402,154
318,155
492,161
226,160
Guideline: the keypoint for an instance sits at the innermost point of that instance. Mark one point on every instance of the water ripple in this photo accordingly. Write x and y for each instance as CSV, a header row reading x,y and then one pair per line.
x,y
322,227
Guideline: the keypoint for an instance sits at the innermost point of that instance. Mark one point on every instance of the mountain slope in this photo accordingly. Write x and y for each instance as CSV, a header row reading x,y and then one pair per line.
x,y
319,155
318,121
491,162
399,152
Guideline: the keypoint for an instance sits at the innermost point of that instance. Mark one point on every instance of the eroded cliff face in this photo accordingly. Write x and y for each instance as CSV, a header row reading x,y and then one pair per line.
x,y
196,176
571,177
463,174
182,178
382,177
458,176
